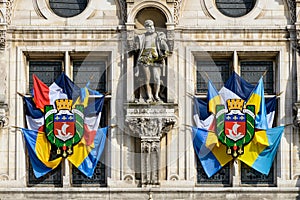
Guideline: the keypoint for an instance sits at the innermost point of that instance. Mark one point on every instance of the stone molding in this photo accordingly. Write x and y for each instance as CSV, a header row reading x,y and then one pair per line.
x,y
212,10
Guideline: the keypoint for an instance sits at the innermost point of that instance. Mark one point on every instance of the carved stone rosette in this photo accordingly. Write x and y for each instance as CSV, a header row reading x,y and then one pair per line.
x,y
150,123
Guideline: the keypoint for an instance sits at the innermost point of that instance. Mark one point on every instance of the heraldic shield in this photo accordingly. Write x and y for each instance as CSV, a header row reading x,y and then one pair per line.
x,y
64,126
235,126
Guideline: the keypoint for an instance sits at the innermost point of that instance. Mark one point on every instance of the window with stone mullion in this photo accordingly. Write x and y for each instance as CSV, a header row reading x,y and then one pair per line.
x,y
46,71
218,71
252,71
94,73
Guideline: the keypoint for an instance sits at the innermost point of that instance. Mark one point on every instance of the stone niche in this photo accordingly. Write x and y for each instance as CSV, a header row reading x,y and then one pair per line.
x,y
150,111
150,122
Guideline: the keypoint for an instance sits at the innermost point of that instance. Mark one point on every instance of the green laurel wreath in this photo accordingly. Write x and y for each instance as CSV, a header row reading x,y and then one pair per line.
x,y
250,129
49,127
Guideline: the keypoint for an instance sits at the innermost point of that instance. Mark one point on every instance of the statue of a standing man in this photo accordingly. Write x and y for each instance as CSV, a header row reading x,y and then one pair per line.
x,y
152,51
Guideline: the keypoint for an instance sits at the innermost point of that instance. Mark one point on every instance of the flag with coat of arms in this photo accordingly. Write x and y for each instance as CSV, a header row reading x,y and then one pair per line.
x,y
235,123
64,117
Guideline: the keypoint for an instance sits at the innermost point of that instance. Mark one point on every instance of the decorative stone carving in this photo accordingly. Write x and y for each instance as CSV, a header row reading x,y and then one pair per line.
x,y
9,7
170,38
150,123
3,114
123,7
2,40
4,177
130,41
292,8
128,178
177,6
149,127
173,177
296,110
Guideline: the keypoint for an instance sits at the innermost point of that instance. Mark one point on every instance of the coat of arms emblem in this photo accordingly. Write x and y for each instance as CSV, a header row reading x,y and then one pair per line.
x,y
235,125
64,126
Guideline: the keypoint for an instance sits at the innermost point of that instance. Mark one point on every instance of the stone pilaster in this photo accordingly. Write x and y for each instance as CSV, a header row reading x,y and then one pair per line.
x,y
150,123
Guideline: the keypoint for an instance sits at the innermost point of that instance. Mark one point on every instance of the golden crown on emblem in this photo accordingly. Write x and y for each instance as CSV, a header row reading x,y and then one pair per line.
x,y
63,104
235,104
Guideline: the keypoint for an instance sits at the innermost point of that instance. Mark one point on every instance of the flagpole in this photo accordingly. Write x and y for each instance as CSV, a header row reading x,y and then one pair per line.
x,y
22,95
265,73
190,126
190,94
277,95
206,75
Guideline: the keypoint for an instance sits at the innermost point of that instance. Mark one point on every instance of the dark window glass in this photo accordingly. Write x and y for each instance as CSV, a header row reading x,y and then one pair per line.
x,y
251,176
235,8
46,71
98,178
68,8
90,71
52,178
221,177
252,71
217,71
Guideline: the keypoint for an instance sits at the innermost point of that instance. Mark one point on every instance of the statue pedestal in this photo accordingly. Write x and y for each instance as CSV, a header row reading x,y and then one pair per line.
x,y
150,122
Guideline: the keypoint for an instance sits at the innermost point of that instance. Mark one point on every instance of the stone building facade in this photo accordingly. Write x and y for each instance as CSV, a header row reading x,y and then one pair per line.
x,y
87,37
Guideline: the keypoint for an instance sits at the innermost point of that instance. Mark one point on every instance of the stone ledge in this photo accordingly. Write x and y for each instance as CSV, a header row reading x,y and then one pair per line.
x,y
150,193
154,189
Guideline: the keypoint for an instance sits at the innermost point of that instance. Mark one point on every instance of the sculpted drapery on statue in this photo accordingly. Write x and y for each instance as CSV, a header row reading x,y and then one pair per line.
x,y
152,50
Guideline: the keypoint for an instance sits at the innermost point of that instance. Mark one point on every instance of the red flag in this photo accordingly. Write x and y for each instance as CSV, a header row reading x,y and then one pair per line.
x,y
41,93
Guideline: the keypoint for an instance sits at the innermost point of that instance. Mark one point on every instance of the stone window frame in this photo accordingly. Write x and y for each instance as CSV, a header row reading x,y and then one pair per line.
x,y
64,12
66,55
43,7
213,11
193,53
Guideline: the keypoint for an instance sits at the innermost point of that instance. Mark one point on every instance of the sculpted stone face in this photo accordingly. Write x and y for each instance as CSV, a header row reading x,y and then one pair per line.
x,y
149,26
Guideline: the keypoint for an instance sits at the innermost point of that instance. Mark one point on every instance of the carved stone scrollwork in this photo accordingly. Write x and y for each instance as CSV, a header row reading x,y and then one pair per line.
x,y
296,114
150,127
9,7
177,6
